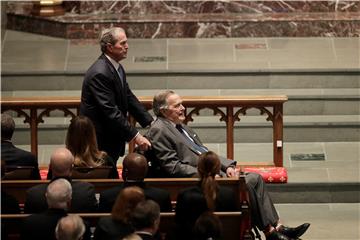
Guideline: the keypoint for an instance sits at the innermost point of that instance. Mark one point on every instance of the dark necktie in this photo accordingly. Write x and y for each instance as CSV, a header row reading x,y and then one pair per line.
x,y
199,148
121,75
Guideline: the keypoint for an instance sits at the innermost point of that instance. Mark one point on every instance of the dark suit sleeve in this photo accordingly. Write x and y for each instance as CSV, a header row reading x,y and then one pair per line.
x,y
35,201
103,91
164,148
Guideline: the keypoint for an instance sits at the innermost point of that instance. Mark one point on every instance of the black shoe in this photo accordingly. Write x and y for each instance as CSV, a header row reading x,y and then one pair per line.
x,y
294,232
275,235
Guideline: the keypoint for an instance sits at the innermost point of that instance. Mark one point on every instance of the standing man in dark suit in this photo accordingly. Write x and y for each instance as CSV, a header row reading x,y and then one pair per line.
x,y
107,99
177,148
134,171
12,155
83,193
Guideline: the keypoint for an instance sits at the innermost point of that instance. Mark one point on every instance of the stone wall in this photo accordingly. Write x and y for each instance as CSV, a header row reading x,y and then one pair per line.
x,y
195,19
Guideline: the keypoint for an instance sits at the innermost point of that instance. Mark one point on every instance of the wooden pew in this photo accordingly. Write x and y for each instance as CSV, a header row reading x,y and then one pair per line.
x,y
18,188
230,222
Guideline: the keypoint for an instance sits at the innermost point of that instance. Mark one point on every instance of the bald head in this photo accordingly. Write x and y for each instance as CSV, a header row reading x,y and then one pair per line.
x,y
61,162
135,167
70,227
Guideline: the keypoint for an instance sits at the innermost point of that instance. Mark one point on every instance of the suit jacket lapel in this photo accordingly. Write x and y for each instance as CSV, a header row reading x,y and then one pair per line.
x,y
179,136
117,81
193,135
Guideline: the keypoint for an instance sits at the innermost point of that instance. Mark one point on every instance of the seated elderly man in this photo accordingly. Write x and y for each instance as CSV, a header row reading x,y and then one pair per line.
x,y
176,147
42,225
83,194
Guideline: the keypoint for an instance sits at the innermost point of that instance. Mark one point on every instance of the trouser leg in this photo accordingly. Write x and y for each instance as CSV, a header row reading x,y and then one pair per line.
x,y
263,211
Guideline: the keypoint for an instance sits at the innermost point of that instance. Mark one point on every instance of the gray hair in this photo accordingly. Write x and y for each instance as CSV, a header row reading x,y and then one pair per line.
x,y
145,215
58,193
160,102
7,126
71,227
108,36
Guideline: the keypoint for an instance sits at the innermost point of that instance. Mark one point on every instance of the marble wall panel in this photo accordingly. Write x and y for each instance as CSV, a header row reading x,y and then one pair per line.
x,y
184,7
217,6
195,19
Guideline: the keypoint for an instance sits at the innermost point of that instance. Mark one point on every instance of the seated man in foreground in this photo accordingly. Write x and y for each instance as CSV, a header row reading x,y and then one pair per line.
x,y
176,149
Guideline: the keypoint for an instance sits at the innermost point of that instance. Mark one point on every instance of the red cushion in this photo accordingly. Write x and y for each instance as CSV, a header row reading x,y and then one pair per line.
x,y
270,174
43,174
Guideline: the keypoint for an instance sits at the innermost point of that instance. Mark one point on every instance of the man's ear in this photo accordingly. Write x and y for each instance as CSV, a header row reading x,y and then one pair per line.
x,y
109,47
163,112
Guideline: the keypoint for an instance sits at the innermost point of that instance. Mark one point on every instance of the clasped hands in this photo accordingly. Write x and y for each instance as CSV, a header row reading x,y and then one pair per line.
x,y
230,172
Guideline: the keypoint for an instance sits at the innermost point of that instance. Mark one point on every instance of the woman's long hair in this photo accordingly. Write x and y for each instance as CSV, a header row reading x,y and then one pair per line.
x,y
126,202
208,167
81,141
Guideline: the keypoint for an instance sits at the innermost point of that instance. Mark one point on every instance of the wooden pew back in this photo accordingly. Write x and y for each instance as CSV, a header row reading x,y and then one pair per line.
x,y
230,222
18,188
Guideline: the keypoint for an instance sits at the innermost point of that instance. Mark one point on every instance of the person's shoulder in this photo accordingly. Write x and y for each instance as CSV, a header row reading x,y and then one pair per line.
x,y
106,222
33,218
100,67
158,125
156,191
37,188
81,185
111,191
190,190
106,219
23,154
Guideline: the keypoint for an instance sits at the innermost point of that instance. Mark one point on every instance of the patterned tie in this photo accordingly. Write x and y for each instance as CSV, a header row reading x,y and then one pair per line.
x,y
199,148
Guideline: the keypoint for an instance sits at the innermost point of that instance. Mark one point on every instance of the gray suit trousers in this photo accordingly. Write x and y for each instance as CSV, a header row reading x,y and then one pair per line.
x,y
263,212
